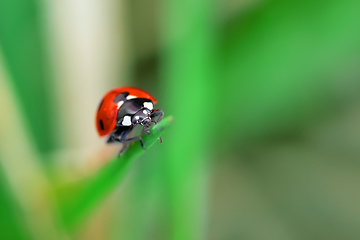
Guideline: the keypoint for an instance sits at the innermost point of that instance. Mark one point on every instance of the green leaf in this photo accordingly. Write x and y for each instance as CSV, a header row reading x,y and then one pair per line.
x,y
188,80
11,224
23,47
89,194
279,61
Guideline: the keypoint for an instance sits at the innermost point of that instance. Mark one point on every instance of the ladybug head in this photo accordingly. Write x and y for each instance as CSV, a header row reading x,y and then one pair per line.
x,y
143,117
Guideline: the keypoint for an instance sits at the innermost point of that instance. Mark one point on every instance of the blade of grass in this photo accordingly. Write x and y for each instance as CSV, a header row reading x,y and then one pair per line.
x,y
189,87
24,54
95,189
21,167
11,225
278,62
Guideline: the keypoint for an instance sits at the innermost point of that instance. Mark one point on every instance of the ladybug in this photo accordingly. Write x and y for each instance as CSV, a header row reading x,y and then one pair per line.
x,y
121,110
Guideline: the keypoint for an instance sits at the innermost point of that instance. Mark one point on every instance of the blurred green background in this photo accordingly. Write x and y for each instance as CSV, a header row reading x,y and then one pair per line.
x,y
265,97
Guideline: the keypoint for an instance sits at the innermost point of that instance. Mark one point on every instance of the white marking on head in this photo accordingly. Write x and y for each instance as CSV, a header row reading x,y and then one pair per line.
x,y
148,105
126,121
130,97
120,104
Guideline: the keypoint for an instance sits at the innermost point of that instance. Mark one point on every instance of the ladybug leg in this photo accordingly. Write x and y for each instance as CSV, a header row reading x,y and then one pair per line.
x,y
111,139
116,139
157,113
120,136
124,147
126,143
134,139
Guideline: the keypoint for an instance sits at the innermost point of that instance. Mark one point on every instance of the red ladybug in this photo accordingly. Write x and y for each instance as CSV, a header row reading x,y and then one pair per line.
x,y
121,110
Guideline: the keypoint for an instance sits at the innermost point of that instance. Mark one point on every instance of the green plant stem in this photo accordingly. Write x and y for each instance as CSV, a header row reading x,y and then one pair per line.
x,y
95,189
189,88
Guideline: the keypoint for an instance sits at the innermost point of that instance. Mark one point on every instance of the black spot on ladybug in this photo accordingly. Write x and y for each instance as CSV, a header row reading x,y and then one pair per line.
x,y
101,125
121,97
